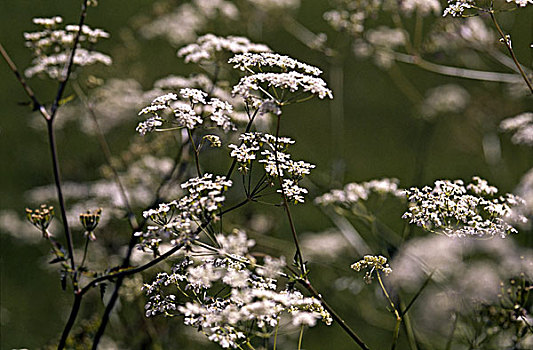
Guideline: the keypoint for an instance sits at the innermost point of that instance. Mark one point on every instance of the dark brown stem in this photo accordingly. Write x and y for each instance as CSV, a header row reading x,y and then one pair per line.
x,y
307,285
68,68
57,180
71,319
511,51
25,86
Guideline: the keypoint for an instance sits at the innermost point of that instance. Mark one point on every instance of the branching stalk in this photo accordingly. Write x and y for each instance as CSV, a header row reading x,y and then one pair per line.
x,y
507,43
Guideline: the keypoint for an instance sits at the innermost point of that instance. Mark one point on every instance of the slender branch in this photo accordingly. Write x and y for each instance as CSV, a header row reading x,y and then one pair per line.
x,y
68,68
396,332
298,256
36,104
195,150
248,127
307,285
511,51
456,71
132,271
85,249
71,319
57,181
107,155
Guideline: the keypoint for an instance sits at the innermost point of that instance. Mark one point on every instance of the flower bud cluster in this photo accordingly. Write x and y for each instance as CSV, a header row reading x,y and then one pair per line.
x,y
89,221
375,263
453,209
41,218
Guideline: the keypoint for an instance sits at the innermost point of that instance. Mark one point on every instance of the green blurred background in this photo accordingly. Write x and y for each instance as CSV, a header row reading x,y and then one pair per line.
x,y
379,137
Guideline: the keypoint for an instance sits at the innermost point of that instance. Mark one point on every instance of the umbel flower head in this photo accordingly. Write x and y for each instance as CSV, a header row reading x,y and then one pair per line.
x,y
41,218
453,209
375,263
51,47
89,221
285,73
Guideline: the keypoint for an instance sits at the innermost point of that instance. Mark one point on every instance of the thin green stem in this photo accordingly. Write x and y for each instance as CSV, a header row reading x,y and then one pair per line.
x,y
85,249
195,150
298,256
276,336
456,71
248,127
507,43
396,332
300,338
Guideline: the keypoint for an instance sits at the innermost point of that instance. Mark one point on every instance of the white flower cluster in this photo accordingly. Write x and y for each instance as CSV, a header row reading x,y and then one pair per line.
x,y
522,126
444,99
453,209
381,42
422,7
292,81
457,8
271,153
246,61
178,218
184,23
206,48
375,263
289,78
186,114
253,294
349,16
51,47
355,192
521,3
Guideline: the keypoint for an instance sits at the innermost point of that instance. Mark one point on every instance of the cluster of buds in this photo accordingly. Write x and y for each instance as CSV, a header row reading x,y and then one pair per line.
x,y
374,263
89,221
41,218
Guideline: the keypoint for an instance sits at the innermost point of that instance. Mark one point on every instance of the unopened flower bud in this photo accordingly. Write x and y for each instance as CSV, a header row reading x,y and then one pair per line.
x,y
41,218
89,221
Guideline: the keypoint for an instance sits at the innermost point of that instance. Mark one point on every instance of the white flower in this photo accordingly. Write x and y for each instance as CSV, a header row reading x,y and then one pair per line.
x,y
293,81
444,99
521,3
448,208
354,192
208,45
522,126
456,8
423,7
267,59
292,191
